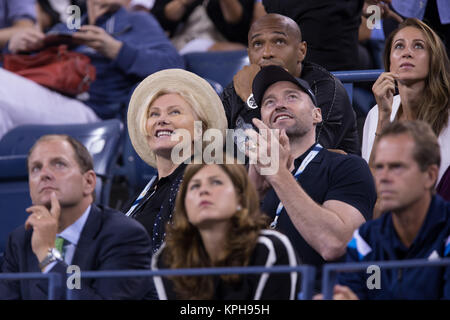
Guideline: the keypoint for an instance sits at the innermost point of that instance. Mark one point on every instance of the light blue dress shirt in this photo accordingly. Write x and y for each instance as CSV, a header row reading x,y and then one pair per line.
x,y
72,235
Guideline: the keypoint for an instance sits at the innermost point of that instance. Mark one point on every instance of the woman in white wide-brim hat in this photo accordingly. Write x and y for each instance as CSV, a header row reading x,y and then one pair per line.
x,y
166,103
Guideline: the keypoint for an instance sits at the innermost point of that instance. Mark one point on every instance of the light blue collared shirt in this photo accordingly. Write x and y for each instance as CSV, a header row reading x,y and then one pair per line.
x,y
72,235
416,9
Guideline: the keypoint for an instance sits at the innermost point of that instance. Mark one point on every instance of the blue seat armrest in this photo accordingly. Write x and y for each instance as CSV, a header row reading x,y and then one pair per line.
x,y
13,167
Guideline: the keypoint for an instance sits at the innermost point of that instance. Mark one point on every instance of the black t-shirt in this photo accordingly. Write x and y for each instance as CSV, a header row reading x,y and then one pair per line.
x,y
156,208
329,27
329,176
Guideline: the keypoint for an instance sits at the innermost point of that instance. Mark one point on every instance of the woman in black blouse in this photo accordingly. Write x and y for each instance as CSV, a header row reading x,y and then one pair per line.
x,y
167,103
217,223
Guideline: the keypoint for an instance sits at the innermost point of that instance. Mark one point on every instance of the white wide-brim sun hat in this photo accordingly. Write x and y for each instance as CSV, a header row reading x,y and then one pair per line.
x,y
210,106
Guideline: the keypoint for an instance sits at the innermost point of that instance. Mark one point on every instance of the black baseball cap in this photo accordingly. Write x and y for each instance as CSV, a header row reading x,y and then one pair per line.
x,y
272,74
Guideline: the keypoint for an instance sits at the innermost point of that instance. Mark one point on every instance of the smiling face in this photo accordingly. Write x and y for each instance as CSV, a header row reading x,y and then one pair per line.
x,y
52,168
286,106
167,114
410,55
276,40
210,197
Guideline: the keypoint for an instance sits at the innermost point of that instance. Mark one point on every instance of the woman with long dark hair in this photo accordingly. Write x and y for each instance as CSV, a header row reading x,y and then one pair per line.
x,y
416,65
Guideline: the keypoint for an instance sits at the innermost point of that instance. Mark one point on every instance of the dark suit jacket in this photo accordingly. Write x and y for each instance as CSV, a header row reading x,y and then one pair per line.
x,y
108,241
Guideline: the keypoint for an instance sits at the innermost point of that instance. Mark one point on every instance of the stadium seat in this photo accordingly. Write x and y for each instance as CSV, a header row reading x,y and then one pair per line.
x,y
349,77
102,139
219,66
133,169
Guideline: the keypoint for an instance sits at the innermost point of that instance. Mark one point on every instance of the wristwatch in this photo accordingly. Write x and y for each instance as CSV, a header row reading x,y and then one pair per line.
x,y
52,255
251,103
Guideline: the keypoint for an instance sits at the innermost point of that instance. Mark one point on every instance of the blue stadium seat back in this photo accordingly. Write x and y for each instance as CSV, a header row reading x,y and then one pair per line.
x,y
14,195
216,86
219,66
102,139
14,199
134,169
348,78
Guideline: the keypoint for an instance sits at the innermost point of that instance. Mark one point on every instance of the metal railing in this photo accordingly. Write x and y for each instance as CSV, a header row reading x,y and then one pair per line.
x,y
308,274
329,275
358,75
54,280
349,77
330,270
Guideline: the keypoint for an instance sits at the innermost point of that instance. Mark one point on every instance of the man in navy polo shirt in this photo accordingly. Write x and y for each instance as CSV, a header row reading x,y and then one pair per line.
x,y
416,224
324,195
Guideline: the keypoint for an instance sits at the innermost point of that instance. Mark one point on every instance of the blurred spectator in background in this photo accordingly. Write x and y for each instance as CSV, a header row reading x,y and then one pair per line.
x,y
65,228
123,46
144,5
370,52
330,28
167,103
14,16
416,65
435,13
51,12
218,223
416,223
276,40
198,25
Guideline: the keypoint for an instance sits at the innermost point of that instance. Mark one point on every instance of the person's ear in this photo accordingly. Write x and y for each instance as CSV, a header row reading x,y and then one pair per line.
x,y
317,115
89,182
302,49
431,174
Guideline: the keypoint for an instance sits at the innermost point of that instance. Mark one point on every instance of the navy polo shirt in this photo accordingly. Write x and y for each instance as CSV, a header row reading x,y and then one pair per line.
x,y
329,176
377,240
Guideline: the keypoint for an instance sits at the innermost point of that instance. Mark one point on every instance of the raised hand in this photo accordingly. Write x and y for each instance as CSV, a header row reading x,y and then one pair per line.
x,y
45,226
243,80
98,39
384,90
26,40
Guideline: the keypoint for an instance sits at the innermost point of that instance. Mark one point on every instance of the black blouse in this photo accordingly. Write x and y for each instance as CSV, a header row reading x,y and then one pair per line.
x,y
156,208
273,249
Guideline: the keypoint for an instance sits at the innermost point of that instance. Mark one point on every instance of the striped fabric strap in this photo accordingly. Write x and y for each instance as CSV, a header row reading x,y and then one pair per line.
x,y
311,155
141,196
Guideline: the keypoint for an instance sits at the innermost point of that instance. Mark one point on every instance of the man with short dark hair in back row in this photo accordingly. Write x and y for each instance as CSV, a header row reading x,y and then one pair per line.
x,y
415,225
66,228
277,40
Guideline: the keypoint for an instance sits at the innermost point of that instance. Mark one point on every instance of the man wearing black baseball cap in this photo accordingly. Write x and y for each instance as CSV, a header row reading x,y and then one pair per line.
x,y
272,74
317,197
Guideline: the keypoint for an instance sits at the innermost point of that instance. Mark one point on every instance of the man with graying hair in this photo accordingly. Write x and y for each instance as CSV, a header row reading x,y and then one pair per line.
x,y
276,40
65,228
415,223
